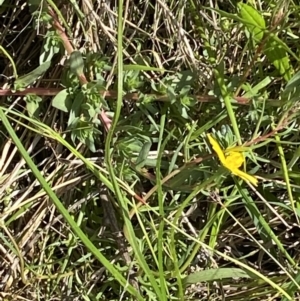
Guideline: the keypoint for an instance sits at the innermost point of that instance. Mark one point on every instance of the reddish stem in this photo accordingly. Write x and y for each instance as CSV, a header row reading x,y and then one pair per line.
x,y
113,94
69,48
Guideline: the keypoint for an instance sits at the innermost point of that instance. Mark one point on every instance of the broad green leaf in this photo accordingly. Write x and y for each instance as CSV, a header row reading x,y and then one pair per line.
x,y
76,62
23,81
32,104
62,101
252,19
215,275
278,57
32,108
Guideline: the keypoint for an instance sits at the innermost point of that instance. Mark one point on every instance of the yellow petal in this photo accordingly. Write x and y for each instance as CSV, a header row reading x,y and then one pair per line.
x,y
245,176
234,160
215,145
238,148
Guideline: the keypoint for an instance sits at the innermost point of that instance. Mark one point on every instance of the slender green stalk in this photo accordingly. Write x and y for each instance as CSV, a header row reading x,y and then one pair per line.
x,y
108,159
187,201
266,279
161,197
287,178
11,61
218,72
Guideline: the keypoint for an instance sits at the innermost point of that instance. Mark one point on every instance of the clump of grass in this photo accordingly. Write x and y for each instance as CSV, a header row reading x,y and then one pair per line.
x,y
110,189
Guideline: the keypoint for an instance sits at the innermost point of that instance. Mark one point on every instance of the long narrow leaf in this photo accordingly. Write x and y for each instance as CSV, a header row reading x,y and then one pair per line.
x,y
64,211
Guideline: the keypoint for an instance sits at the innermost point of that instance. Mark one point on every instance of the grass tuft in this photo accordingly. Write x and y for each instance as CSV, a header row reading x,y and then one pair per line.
x,y
110,188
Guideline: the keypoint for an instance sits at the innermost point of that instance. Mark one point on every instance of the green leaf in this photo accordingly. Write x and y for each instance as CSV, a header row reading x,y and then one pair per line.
x,y
246,23
188,101
90,142
226,14
10,59
32,108
143,155
286,47
141,68
23,81
292,89
293,83
89,109
252,19
76,62
32,104
292,288
216,274
62,101
50,48
279,58
254,90
76,107
264,229
60,207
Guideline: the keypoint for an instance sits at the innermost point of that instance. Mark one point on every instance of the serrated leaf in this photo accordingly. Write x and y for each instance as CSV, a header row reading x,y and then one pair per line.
x,y
252,19
215,275
62,101
23,81
279,58
76,62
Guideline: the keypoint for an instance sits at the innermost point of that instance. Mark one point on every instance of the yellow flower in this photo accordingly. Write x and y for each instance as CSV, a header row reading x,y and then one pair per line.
x,y
232,160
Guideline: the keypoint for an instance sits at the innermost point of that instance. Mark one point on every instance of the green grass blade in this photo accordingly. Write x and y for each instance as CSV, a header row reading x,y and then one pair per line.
x,y
63,210
108,159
